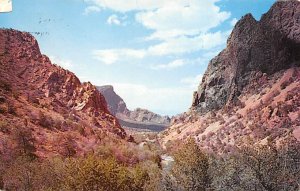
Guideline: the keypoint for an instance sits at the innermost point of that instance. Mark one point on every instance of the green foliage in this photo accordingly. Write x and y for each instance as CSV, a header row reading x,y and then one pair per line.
x,y
260,167
191,167
124,166
94,173
20,175
26,174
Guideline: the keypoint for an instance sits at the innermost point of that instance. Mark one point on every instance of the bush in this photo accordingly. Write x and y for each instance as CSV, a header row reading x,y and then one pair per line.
x,y
4,126
261,167
3,109
94,173
5,85
16,94
11,109
44,121
191,167
24,142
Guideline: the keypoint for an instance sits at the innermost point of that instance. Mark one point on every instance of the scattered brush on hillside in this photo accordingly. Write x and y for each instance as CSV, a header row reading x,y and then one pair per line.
x,y
259,167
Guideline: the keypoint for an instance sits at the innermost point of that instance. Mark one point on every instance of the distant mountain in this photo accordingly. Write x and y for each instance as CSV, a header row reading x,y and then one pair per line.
x,y
140,119
62,115
116,104
250,92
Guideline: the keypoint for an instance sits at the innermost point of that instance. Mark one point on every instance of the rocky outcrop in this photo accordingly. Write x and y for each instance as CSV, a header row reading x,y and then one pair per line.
x,y
50,98
144,115
116,104
142,118
250,92
254,48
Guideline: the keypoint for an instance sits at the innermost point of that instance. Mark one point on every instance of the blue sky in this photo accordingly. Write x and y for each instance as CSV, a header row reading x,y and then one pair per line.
x,y
153,52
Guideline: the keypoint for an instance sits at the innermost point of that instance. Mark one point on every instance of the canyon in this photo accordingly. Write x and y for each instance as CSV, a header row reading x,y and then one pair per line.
x,y
136,120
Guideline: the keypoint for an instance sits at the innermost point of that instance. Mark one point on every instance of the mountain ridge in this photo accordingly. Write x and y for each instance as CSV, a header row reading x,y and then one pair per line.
x,y
133,119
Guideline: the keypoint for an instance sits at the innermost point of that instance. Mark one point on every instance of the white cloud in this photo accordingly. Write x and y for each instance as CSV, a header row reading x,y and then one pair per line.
x,y
110,56
113,19
174,46
182,26
170,18
177,18
192,81
186,44
128,5
171,65
91,9
204,59
6,6
233,21
138,95
66,64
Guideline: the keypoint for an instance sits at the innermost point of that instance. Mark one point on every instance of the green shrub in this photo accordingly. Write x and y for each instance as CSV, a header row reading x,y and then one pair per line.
x,y
191,167
93,173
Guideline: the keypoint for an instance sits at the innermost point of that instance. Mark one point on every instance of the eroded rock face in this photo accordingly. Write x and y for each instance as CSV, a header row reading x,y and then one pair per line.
x,y
254,48
29,69
115,103
35,87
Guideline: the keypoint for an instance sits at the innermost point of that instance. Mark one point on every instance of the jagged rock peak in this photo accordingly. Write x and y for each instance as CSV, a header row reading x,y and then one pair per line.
x,y
253,48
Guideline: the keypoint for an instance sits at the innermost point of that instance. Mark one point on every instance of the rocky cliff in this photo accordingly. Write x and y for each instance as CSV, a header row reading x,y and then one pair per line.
x,y
115,103
250,92
136,119
254,48
48,100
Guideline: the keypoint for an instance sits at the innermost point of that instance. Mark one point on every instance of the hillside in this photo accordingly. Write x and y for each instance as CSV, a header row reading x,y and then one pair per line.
x,y
48,103
250,92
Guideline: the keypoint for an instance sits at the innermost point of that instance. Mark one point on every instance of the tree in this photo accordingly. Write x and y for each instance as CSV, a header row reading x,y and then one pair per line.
x,y
24,141
68,145
191,167
263,160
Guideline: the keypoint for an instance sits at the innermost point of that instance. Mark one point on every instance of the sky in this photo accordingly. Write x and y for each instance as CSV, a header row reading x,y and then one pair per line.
x,y
154,52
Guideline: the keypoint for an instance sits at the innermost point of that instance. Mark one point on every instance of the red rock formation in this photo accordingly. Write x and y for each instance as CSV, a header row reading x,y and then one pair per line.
x,y
31,84
265,46
250,92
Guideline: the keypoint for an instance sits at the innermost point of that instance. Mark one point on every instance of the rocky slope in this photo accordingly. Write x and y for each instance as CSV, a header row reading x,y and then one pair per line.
x,y
250,92
48,101
138,119
266,46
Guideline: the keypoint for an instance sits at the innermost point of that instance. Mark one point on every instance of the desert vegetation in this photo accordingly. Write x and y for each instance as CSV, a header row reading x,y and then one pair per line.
x,y
257,167
119,166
